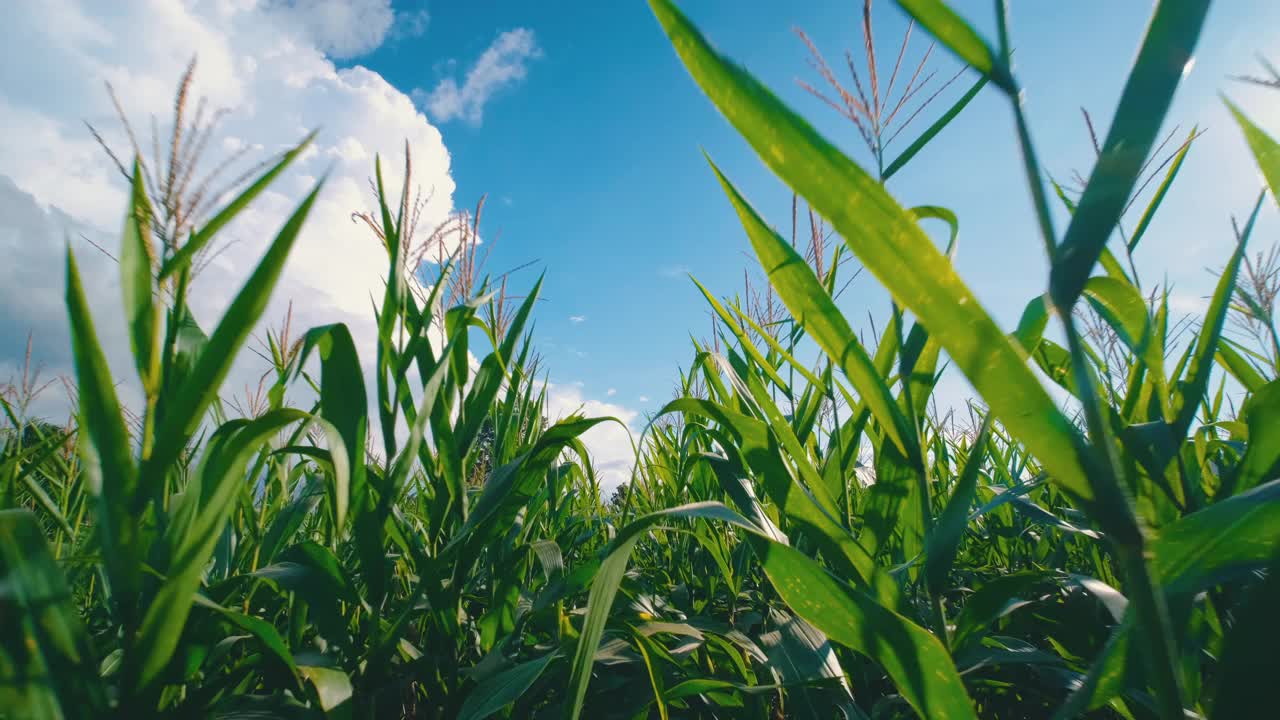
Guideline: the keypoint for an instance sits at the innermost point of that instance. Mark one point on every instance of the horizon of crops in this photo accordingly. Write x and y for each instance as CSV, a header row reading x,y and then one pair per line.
x,y
802,535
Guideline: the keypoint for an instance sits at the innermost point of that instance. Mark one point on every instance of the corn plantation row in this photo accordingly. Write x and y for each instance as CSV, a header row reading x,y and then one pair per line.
x,y
802,536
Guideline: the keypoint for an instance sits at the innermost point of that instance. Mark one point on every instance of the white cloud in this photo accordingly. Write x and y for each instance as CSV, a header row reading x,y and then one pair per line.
x,y
501,65
410,24
611,392
58,184
576,319
644,398
609,443
33,242
675,271
1185,304
347,28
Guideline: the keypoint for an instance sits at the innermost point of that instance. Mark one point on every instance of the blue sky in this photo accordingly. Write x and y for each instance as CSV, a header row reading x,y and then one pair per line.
x,y
592,162
580,124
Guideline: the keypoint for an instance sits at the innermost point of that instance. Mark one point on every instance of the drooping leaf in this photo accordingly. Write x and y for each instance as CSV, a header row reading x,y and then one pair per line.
x,y
1266,151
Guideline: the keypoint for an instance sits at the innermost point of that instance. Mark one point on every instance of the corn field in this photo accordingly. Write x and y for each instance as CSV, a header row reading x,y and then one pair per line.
x,y
803,535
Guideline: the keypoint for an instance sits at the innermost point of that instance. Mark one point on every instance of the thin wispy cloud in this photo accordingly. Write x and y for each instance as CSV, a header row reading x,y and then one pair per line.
x,y
503,64
674,271
611,392
410,24
348,28
577,319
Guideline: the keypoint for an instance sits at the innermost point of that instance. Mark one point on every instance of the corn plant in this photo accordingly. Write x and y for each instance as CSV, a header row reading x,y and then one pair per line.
x,y
805,533
274,562
1133,532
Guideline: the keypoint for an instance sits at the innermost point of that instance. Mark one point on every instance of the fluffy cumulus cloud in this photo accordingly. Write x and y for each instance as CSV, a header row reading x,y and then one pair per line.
x,y
348,28
341,28
609,443
277,86
32,240
501,65
276,77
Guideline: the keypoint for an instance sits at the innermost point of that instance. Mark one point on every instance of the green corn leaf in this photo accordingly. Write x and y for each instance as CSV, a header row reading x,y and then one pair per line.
x,y
799,654
222,469
792,447
936,212
1227,539
1248,651
1032,324
1240,368
776,347
890,244
928,135
882,511
479,403
919,364
332,689
512,484
184,342
504,688
286,523
1122,306
550,558
137,284
744,342
49,669
1167,48
650,652
944,543
24,467
814,309
343,403
518,322
313,574
1266,151
1154,204
604,587
371,522
1261,461
107,457
915,660
1201,366
760,453
217,355
1232,535
264,631
996,598
737,486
